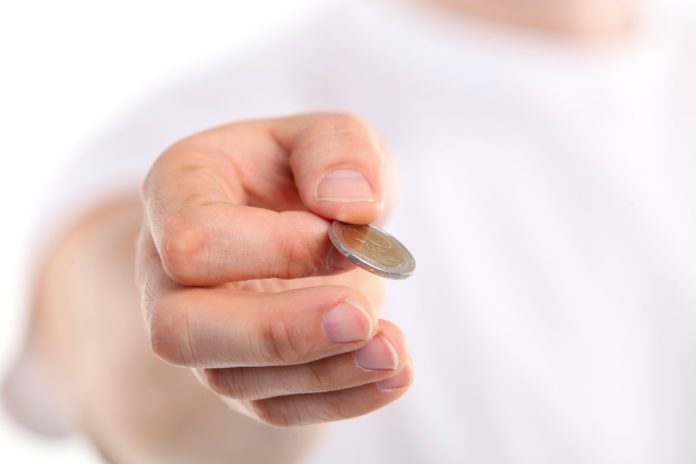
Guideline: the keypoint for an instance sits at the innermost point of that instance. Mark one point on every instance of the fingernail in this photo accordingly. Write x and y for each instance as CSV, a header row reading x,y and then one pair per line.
x,y
400,380
378,354
347,322
344,186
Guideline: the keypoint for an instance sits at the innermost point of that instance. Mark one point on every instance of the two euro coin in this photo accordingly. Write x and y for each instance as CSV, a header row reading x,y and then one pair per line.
x,y
372,249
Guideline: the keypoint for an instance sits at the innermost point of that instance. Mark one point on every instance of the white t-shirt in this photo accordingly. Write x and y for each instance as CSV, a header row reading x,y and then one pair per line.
x,y
547,191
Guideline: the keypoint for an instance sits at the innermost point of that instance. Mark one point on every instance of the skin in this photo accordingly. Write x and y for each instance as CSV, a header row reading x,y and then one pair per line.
x,y
235,280
252,335
249,325
582,21
134,407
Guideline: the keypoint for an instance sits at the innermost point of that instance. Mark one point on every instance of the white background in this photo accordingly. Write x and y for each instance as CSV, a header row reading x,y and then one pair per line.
x,y
68,68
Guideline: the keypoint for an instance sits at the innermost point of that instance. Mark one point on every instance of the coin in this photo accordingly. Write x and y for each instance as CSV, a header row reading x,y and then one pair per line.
x,y
372,249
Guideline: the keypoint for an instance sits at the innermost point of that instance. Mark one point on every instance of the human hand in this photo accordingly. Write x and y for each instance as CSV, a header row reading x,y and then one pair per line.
x,y
240,282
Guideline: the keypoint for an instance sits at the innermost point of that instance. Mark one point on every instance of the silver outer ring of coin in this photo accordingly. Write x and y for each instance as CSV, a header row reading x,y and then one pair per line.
x,y
403,271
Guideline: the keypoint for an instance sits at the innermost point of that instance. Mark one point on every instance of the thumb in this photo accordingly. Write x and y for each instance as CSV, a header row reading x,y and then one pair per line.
x,y
341,167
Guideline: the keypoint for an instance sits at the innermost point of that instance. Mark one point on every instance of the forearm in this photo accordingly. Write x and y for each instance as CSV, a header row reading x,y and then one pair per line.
x,y
136,407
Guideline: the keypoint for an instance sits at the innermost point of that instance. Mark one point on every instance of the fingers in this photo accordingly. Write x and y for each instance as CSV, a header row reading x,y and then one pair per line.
x,y
380,359
336,405
222,242
218,327
341,167
224,326
200,194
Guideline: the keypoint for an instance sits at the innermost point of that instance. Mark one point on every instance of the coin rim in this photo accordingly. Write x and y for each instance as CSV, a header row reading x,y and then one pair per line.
x,y
366,263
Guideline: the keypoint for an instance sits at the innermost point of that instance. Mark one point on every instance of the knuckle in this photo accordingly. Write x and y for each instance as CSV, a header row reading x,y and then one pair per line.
x,y
184,251
284,341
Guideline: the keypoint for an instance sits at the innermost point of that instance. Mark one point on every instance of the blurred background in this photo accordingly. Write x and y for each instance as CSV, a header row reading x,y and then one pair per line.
x,y
69,69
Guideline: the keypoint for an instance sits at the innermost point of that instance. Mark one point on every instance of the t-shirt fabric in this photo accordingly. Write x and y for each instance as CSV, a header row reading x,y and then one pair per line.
x,y
547,192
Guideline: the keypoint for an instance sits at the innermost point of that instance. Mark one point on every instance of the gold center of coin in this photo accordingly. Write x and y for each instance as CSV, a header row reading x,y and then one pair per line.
x,y
372,245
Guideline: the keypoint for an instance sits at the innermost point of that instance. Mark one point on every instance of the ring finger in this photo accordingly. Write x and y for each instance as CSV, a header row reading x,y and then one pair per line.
x,y
380,359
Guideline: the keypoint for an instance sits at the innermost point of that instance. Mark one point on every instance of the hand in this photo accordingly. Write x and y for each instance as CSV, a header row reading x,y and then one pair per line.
x,y
240,282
